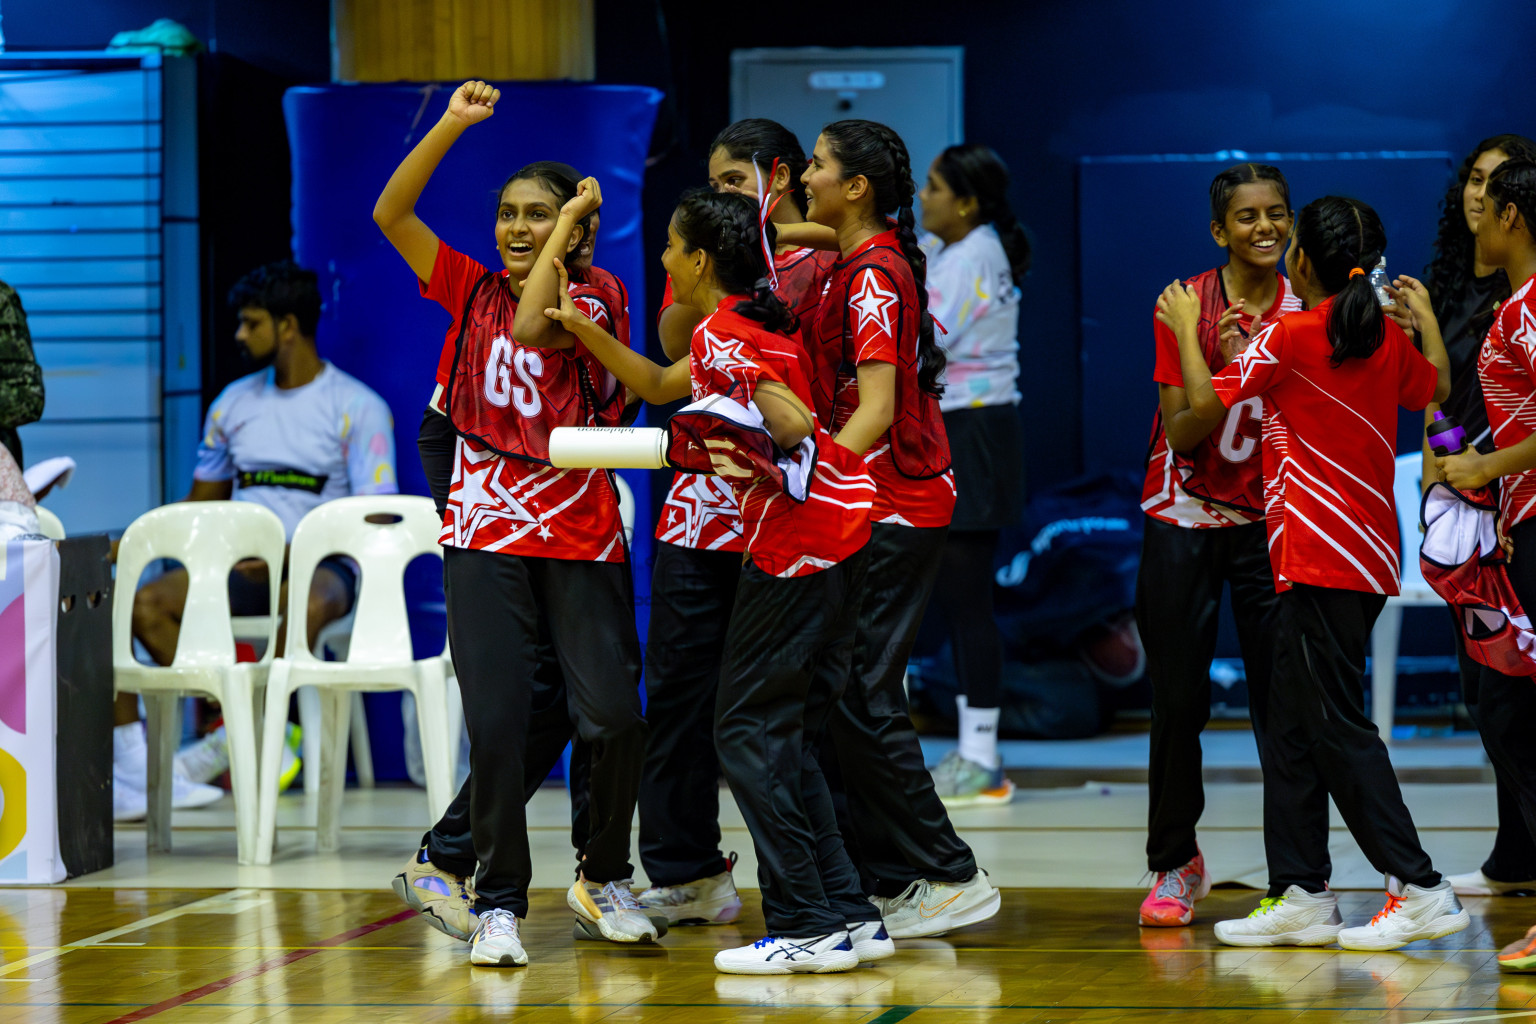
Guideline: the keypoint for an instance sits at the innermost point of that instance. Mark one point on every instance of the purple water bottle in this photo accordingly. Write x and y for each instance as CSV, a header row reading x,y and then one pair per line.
x,y
1446,436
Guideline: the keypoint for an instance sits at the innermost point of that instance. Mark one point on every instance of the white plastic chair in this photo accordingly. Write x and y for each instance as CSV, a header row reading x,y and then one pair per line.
x,y
207,538
49,525
379,656
1415,593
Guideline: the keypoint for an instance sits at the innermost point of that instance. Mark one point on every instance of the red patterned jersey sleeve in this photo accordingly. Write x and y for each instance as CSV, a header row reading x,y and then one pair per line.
x,y
1265,363
729,364
453,279
1417,376
1166,369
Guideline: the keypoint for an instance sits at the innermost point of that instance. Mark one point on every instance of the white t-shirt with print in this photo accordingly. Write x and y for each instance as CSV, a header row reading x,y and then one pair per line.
x,y
972,294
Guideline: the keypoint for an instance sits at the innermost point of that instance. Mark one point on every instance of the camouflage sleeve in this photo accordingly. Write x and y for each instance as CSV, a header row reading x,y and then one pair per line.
x,y
21,379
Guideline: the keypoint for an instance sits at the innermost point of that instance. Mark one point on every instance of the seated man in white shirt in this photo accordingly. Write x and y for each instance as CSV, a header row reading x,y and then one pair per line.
x,y
294,434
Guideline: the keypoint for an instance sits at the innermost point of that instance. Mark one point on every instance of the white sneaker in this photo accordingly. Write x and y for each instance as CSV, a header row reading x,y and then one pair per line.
x,y
711,900
1475,883
819,954
1412,913
871,941
612,907
933,908
1294,918
495,942
130,802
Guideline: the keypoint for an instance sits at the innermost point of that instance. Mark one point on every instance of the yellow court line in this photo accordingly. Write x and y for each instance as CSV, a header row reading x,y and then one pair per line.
x,y
702,949
202,906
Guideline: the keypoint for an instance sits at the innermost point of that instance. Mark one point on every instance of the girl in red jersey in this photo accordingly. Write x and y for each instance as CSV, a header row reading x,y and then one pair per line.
x,y
522,539
791,633
1204,530
1467,293
873,340
1332,378
1507,367
697,569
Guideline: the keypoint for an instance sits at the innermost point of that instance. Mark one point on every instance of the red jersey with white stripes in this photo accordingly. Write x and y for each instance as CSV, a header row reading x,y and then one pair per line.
x,y
1221,481
1506,366
700,511
502,502
732,355
600,295
869,312
1328,448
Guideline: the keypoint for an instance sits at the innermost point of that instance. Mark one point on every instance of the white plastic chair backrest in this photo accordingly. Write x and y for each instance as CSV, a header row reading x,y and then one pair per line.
x,y
380,629
49,525
207,538
626,508
1408,494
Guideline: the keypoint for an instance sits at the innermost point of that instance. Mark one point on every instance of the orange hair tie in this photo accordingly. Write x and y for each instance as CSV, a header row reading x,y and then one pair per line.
x,y
1356,272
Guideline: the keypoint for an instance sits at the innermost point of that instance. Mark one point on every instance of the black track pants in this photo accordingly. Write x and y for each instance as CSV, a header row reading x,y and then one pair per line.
x,y
1178,604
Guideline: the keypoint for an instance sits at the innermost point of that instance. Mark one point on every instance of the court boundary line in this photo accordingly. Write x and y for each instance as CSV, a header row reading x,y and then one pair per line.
x,y
258,970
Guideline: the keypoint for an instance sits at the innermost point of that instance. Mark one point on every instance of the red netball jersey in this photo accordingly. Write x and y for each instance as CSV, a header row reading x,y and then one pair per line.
x,y
731,355
700,511
1329,461
504,399
1220,482
869,312
1506,366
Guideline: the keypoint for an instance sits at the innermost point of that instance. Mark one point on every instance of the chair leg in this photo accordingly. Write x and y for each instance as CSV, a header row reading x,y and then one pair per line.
x,y
162,733
437,747
274,730
309,747
1384,639
240,729
362,748
336,716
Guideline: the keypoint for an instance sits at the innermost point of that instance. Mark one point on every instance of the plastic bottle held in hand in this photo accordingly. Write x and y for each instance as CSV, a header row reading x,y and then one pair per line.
x,y
1446,436
1379,283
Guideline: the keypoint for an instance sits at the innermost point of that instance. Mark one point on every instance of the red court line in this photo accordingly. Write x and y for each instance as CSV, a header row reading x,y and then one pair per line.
x,y
261,968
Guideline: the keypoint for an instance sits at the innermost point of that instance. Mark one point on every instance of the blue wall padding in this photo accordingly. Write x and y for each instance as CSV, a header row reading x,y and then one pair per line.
x,y
1143,221
346,140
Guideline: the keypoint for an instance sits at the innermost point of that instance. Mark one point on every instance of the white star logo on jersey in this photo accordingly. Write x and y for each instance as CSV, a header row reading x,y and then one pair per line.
x,y
1525,332
872,303
1257,354
724,355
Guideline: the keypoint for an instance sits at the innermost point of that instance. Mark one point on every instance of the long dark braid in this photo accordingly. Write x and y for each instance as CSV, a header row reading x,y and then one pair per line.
x,y
877,152
724,224
1449,273
1339,235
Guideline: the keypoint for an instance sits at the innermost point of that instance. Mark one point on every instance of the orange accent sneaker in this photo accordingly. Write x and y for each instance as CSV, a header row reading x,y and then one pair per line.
x,y
1520,956
1171,903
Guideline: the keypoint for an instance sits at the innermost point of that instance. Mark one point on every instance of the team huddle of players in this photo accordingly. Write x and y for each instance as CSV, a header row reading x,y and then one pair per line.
x,y
797,314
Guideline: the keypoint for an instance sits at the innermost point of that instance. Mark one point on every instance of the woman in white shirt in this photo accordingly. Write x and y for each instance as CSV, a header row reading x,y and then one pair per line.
x,y
977,254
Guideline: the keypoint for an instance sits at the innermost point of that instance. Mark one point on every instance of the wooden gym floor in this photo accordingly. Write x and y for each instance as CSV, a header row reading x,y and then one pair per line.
x,y
102,956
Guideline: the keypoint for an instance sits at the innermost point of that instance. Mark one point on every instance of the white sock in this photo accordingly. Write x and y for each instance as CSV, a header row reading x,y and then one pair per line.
x,y
130,754
978,733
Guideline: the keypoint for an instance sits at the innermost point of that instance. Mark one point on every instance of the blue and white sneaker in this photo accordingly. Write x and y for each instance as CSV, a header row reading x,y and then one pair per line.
x,y
819,954
612,908
871,941
496,942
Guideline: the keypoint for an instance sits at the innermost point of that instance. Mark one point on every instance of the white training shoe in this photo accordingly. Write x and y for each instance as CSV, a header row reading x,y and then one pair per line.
x,y
131,803
495,942
871,941
819,954
711,900
1475,883
612,908
1412,913
1294,918
933,908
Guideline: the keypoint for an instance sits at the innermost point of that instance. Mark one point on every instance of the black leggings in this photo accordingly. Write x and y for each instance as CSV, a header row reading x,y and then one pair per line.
x,y
963,592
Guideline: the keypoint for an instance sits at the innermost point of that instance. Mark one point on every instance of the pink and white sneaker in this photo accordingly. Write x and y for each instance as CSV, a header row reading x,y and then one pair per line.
x,y
1171,903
